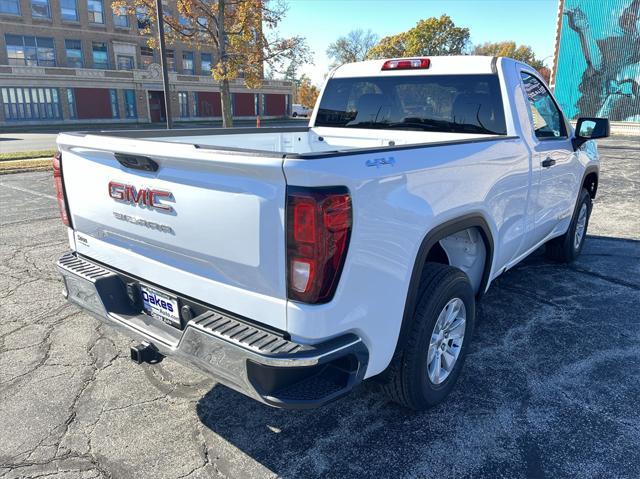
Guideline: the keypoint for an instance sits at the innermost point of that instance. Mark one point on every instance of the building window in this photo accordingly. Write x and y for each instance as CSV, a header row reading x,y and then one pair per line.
x,y
69,10
40,9
147,57
31,104
100,55
71,99
130,104
125,62
187,63
183,102
205,63
32,51
113,99
142,16
171,60
121,19
96,11
11,7
74,53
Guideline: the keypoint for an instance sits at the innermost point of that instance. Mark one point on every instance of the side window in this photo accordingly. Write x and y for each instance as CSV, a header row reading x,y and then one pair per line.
x,y
547,119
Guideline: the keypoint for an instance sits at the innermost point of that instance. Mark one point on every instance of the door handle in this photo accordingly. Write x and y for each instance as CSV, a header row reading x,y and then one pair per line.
x,y
548,162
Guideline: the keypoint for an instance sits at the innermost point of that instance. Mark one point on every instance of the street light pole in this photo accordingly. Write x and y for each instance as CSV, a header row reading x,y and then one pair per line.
x,y
163,64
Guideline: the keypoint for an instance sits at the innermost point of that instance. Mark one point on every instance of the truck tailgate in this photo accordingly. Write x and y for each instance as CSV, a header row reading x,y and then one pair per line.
x,y
215,234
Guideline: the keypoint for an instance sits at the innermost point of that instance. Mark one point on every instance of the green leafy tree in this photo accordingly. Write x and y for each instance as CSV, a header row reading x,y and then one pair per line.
x,y
431,36
523,53
353,47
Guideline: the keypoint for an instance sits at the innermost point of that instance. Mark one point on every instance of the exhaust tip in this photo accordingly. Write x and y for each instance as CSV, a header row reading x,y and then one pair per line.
x,y
145,352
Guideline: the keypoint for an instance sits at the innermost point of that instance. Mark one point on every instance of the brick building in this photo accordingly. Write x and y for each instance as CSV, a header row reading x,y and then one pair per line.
x,y
75,61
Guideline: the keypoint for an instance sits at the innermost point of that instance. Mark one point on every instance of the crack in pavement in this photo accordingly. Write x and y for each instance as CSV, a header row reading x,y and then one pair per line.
x,y
610,279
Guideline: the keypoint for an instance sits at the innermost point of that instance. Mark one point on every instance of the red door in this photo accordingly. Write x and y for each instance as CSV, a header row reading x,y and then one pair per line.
x,y
276,105
244,104
156,106
209,103
92,103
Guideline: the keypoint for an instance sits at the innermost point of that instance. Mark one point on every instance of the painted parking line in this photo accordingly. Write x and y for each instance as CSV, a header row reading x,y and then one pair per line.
x,y
26,190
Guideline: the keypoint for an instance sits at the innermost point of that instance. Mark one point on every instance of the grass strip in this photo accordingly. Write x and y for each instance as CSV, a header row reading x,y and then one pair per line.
x,y
17,166
26,155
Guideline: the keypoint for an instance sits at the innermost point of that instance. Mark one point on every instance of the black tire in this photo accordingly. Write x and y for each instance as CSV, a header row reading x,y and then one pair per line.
x,y
407,380
563,249
294,114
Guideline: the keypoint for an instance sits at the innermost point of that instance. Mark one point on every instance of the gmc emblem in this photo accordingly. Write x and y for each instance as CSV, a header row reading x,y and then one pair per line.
x,y
142,197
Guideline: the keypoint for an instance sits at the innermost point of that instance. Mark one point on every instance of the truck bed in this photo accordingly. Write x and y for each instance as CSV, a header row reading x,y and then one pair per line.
x,y
296,142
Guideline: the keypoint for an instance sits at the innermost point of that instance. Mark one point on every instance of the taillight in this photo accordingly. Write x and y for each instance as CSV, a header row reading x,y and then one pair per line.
x,y
60,193
318,230
406,64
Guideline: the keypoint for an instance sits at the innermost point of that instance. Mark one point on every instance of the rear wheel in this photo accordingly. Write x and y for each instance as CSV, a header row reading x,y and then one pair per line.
x,y
567,247
294,114
428,366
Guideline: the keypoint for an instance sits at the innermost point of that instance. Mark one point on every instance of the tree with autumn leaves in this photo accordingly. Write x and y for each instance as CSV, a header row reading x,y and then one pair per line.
x,y
523,53
307,93
242,33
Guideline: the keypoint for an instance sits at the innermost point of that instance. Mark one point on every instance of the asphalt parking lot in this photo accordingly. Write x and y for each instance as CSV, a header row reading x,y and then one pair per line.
x,y
549,390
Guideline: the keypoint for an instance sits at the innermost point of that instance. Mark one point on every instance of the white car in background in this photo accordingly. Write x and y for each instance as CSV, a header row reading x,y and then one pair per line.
x,y
299,110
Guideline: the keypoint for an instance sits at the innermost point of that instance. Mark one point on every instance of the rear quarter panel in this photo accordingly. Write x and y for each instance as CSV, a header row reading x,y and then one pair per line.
x,y
394,207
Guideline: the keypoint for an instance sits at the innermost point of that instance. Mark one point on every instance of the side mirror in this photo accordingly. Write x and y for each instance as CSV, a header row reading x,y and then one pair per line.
x,y
590,129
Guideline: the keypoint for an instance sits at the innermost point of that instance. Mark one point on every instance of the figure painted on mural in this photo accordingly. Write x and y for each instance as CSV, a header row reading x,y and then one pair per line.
x,y
610,84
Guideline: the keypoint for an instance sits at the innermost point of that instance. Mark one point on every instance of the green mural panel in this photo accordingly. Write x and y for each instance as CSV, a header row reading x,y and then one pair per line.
x,y
598,67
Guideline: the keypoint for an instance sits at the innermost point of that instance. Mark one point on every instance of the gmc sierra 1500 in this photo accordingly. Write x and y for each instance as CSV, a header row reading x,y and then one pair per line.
x,y
292,263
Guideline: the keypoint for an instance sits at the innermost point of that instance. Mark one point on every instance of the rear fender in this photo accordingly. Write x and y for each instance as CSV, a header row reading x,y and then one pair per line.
x,y
432,238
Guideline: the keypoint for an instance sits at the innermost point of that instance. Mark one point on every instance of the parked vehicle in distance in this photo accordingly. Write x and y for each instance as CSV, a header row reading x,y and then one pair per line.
x,y
293,263
299,110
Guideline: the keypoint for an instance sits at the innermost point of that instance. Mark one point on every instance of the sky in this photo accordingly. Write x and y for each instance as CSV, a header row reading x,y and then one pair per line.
x,y
529,22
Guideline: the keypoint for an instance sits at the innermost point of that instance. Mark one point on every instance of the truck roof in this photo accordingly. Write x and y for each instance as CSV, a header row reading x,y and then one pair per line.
x,y
439,65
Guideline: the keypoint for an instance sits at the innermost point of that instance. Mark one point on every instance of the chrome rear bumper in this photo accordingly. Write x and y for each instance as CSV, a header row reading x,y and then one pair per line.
x,y
262,364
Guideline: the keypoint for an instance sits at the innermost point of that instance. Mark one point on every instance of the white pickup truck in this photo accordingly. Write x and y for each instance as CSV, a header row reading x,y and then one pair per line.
x,y
299,110
292,263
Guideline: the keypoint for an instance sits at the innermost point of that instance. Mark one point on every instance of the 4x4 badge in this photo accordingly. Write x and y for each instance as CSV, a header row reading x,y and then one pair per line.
x,y
378,162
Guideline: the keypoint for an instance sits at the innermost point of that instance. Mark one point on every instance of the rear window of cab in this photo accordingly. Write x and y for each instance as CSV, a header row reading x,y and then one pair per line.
x,y
440,103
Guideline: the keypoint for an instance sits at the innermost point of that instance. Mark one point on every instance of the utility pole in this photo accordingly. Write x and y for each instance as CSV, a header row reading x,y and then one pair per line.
x,y
163,64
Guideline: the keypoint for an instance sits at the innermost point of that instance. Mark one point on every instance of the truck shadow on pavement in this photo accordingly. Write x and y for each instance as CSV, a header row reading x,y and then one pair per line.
x,y
549,389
